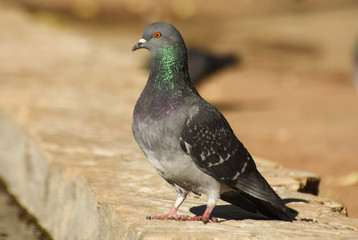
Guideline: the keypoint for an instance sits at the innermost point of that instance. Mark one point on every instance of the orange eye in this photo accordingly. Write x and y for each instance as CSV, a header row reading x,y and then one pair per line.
x,y
157,34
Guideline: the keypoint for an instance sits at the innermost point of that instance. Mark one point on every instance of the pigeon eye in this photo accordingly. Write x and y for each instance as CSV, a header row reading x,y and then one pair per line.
x,y
157,34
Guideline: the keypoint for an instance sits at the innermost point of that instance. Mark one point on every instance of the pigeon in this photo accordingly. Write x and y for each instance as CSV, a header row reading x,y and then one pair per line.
x,y
188,141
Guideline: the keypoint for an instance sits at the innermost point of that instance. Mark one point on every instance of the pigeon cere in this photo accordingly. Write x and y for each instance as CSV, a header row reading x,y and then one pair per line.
x,y
188,141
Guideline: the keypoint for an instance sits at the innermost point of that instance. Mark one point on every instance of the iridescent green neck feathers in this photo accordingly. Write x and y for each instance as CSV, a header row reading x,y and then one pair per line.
x,y
169,70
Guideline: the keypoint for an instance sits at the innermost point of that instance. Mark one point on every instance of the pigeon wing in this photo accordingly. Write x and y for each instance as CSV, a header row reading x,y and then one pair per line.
x,y
208,138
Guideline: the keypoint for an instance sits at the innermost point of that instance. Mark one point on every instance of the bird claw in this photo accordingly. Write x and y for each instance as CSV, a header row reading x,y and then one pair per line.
x,y
204,219
167,217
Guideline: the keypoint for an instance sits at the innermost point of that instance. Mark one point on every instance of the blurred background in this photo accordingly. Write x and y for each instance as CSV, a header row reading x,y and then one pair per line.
x,y
291,94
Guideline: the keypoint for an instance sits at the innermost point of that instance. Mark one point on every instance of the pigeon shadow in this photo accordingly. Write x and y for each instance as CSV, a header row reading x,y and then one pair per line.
x,y
228,212
242,106
290,200
232,212
203,63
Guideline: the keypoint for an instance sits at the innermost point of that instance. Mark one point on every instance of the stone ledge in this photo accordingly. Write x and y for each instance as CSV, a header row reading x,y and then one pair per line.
x,y
67,153
109,199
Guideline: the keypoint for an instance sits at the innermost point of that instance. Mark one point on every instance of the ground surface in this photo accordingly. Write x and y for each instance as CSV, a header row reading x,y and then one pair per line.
x,y
292,100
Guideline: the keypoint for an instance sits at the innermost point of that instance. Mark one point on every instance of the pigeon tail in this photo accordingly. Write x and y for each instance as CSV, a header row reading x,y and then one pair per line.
x,y
254,193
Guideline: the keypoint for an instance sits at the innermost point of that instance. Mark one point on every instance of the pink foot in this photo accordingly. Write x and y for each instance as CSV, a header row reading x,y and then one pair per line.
x,y
204,219
206,216
183,218
174,216
168,217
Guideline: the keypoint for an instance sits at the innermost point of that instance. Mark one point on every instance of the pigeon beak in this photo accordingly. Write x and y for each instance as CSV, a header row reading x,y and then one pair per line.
x,y
139,44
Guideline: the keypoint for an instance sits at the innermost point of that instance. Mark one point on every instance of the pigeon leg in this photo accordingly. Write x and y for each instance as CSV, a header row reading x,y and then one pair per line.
x,y
206,217
172,215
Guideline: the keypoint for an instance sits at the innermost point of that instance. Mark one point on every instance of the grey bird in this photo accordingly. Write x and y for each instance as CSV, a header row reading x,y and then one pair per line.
x,y
188,141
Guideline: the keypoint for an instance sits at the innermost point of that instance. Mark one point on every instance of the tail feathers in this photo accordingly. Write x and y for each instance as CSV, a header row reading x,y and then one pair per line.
x,y
254,205
258,195
269,209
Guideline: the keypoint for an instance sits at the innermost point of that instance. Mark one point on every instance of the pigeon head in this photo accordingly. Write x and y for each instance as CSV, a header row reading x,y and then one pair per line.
x,y
169,74
159,35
